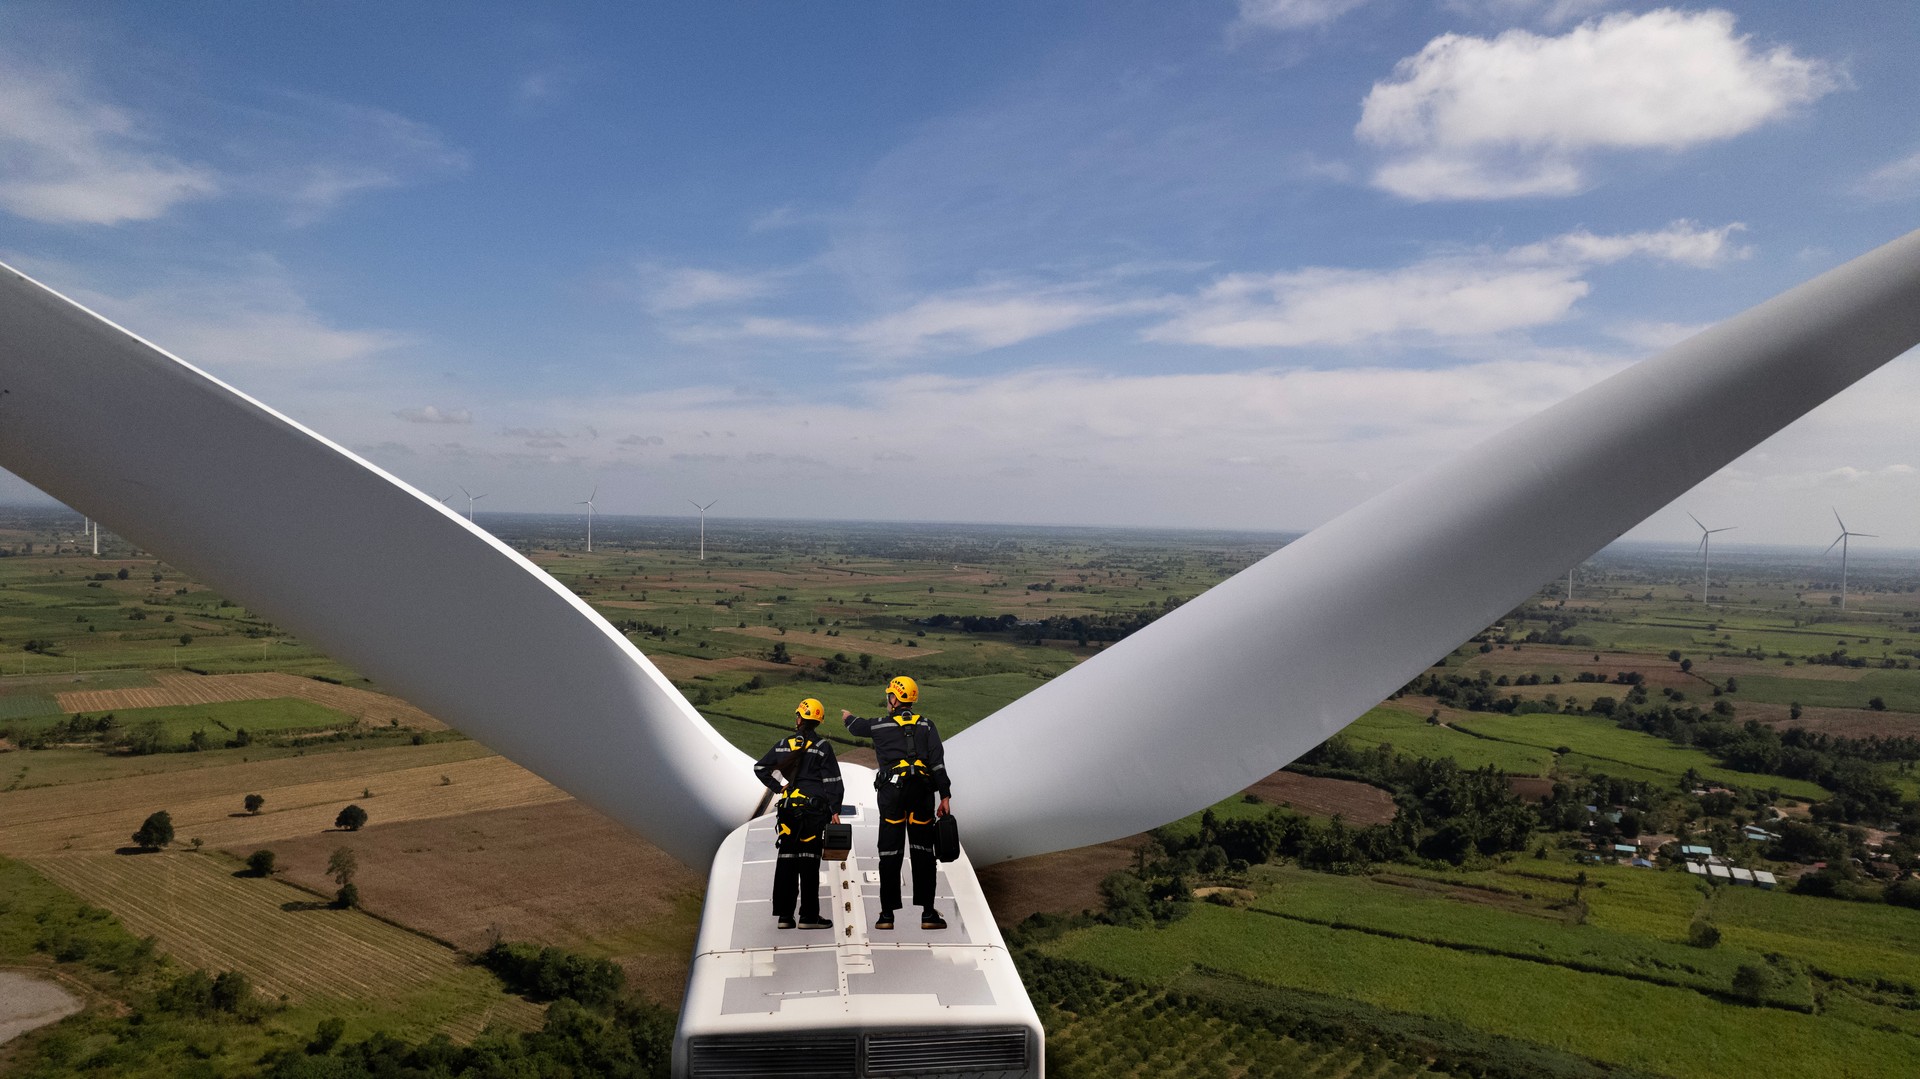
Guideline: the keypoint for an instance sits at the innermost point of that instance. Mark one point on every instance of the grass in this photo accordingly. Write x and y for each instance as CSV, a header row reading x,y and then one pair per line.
x,y
1528,923
1628,1022
1412,735
337,962
1599,744
1899,690
220,719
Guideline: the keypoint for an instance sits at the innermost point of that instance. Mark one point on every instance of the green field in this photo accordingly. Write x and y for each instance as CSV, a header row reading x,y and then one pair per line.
x,y
1600,746
1413,736
1608,1018
219,719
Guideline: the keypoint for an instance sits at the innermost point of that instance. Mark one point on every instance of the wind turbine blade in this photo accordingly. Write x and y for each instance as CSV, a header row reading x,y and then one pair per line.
x,y
263,509
1831,546
1864,535
1836,517
1244,678
1729,528
1696,521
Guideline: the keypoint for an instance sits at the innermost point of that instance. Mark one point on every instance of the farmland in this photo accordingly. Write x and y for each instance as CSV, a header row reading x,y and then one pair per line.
x,y
1471,955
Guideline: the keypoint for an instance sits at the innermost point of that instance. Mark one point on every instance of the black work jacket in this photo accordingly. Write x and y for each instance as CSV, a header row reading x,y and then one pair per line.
x,y
907,745
816,774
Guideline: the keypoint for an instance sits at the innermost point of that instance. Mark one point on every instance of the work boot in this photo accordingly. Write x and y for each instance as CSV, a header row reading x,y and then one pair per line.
x,y
786,921
885,921
815,922
930,919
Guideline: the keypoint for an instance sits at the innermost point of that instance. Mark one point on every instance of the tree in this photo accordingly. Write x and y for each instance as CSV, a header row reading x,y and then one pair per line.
x,y
351,818
1877,704
1752,981
254,802
348,897
342,865
155,832
1703,933
1686,665
780,653
123,574
260,863
186,639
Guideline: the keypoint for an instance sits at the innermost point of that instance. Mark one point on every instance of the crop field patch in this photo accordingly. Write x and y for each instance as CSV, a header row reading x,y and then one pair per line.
x,y
377,709
851,645
1578,1012
1603,743
1357,803
199,912
556,872
1412,735
303,795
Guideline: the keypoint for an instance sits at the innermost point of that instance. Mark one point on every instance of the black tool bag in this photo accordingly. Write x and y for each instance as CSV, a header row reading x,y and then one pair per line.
x,y
836,842
946,839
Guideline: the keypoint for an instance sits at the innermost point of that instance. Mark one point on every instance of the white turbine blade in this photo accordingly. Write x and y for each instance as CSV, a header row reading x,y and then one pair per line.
x,y
1246,677
1729,528
1835,543
1836,517
365,567
1864,535
1696,521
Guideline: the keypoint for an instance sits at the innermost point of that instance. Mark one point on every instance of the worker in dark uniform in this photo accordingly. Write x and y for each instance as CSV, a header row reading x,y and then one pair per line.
x,y
912,769
804,776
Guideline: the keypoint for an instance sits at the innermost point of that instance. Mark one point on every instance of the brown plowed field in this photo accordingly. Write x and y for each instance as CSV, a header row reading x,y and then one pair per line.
x,y
558,873
1064,882
1356,803
202,914
687,668
1845,722
303,796
377,709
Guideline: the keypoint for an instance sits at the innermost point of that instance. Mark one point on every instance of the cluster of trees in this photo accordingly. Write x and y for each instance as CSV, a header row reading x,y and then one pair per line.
x,y
1083,629
590,1029
554,974
1855,769
1478,694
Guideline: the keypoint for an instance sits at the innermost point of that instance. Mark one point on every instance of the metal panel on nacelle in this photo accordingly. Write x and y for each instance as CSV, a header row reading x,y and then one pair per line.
x,y
753,984
1261,668
365,567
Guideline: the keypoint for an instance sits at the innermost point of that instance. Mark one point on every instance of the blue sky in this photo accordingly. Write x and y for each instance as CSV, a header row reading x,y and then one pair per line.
x,y
1210,263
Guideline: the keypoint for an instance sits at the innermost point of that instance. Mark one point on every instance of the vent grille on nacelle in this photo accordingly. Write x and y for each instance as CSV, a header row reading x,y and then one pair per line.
x,y
796,1056
922,1052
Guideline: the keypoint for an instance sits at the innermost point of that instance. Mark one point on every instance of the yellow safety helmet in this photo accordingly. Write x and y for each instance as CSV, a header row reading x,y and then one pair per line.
x,y
904,689
811,711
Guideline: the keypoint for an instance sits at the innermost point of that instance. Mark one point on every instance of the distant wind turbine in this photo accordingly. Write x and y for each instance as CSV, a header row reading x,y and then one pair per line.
x,y
703,524
1841,542
589,504
471,499
1706,541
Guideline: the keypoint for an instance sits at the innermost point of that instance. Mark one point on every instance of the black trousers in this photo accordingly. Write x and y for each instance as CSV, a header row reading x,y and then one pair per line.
x,y
906,821
796,874
796,869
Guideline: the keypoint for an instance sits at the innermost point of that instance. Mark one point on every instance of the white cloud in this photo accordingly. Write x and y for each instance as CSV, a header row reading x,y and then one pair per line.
x,y
315,154
682,288
1894,180
973,321
1517,115
1548,13
1291,14
1452,296
250,318
433,414
68,157
1654,336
